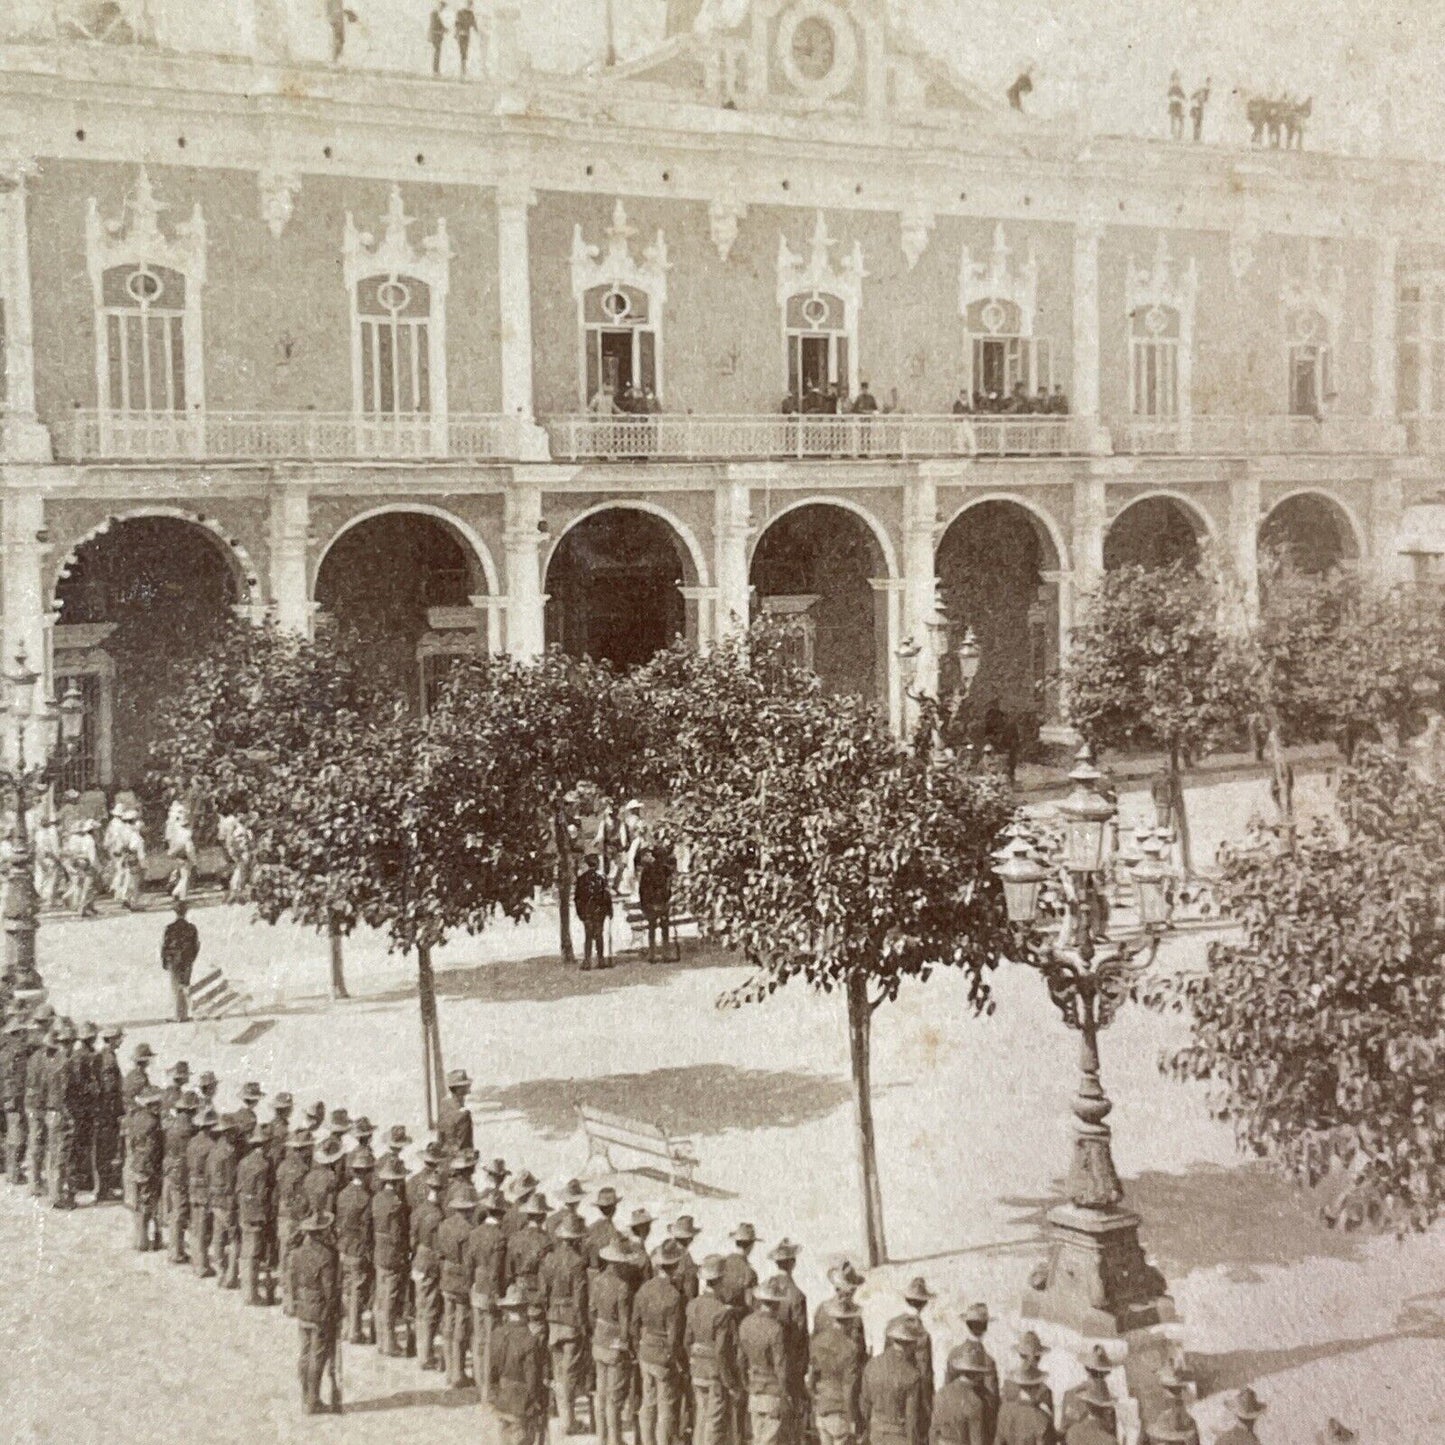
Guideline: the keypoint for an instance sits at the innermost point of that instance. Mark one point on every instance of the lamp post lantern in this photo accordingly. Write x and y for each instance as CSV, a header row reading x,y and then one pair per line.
x,y
1096,1278
31,739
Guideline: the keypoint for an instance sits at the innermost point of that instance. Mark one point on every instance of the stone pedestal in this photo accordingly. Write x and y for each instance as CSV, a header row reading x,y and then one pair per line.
x,y
1097,1280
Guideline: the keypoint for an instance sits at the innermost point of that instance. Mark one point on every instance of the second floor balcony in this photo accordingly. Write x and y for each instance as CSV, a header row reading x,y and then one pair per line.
x,y
1236,436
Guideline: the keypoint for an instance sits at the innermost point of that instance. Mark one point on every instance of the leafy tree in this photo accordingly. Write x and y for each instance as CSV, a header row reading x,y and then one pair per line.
x,y
1155,663
1319,1029
823,849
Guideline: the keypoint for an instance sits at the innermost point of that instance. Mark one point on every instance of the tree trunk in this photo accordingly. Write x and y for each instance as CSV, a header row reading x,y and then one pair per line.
x,y
1181,818
433,1073
565,870
338,977
860,1024
1283,787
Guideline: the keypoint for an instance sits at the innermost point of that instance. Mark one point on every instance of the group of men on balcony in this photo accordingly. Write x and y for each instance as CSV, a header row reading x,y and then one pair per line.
x,y
1018,402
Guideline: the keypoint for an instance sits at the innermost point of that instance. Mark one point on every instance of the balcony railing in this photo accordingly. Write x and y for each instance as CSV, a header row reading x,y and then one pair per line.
x,y
1255,435
292,435
578,438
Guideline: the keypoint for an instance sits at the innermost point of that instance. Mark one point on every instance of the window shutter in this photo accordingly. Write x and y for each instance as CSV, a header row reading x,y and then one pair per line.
x,y
594,366
840,375
647,359
795,367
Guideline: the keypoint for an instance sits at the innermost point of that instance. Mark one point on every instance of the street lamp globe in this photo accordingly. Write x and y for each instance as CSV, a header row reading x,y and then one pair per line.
x,y
48,723
72,714
970,655
20,686
1149,876
1087,813
1022,876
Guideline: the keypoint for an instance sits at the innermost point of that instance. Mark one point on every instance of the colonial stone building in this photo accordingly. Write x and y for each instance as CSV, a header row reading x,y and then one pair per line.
x,y
320,338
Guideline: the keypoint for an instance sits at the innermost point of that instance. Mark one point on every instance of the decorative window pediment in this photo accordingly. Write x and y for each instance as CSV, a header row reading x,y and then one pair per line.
x,y
1159,303
614,265
819,304
394,255
1164,285
135,238
1313,298
817,272
988,288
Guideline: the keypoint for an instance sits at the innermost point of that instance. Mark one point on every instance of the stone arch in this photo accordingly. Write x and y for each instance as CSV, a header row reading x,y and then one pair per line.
x,y
1298,525
886,549
623,579
1156,529
1049,525
998,563
826,563
468,534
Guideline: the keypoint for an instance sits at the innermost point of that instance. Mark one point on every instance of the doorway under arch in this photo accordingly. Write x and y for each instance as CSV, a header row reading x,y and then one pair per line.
x,y
1153,533
817,563
614,583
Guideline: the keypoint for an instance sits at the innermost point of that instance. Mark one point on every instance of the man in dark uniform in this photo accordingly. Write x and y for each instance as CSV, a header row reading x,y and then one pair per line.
x,y
356,1245
36,1067
1246,1407
337,1128
396,1140
609,1310
1025,1420
314,1118
427,1177
363,1131
763,1357
639,1227
178,1129
711,1341
1098,1366
1173,1425
221,1165
22,1042
528,1247
524,1186
109,1113
516,1380
684,1231
835,1373
145,1149
562,1287
133,1083
487,1267
1094,1428
84,1090
198,1154
180,947
464,26
962,1410
739,1278
569,1206
62,1091
602,1231
593,904
888,1397
279,1130
451,1248
454,1121
206,1086
460,1170
975,1317
917,1295
256,1214
391,1254
315,1292
793,1316
179,1074
659,1327
291,1207
245,1117
426,1221
323,1180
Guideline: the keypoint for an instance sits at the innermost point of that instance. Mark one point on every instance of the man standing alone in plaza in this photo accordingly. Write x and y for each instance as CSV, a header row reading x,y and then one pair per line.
x,y
594,907
180,947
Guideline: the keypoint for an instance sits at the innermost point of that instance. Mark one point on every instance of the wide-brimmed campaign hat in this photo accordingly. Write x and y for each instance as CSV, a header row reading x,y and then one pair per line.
x,y
1247,1405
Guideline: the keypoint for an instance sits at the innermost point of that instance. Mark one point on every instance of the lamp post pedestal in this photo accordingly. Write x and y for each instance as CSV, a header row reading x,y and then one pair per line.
x,y
22,907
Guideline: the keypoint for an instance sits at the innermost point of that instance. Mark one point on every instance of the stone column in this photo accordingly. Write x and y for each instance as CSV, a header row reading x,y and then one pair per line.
x,y
920,575
1085,399
1386,523
28,618
24,439
522,538
701,605
887,597
1090,524
290,589
1382,329
515,198
733,529
1244,519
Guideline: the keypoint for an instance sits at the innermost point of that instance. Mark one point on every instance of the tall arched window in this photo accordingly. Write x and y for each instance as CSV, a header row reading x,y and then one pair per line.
x,y
1004,355
143,311
619,341
817,344
1154,362
393,316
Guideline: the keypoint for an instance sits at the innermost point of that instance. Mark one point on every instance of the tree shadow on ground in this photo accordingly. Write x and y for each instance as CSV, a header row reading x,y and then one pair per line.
x,y
1240,1219
695,1100
446,1399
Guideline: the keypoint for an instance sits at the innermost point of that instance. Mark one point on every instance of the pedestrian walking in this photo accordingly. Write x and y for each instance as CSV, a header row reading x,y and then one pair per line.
x,y
82,868
593,904
181,849
180,947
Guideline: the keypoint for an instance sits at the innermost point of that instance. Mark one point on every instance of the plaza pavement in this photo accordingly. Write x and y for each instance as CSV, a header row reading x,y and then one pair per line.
x,y
973,1125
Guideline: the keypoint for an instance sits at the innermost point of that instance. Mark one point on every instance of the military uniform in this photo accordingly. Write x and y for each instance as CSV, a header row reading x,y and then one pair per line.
x,y
888,1400
290,1207
109,1113
793,1316
426,1221
320,1187
221,1166
198,1154
356,1244
835,1374
134,1081
487,1270
961,1414
177,1132
711,1340
516,1382
454,1126
1091,1430
525,1252
59,1129
763,1355
145,1151
391,1258
256,1214
81,1094
739,1280
600,1233
21,1046
315,1293
609,1312
562,1285
1074,1409
36,1069
1024,1422
451,1248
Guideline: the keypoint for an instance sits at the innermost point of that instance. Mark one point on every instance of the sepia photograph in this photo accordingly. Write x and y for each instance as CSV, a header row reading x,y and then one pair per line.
x,y
722,722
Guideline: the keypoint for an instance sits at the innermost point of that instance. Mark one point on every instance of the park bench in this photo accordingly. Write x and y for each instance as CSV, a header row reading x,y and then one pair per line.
x,y
214,997
637,923
606,1131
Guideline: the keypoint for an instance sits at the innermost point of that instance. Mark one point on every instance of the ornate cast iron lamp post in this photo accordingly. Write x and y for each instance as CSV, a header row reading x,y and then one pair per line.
x,y
24,774
1096,1279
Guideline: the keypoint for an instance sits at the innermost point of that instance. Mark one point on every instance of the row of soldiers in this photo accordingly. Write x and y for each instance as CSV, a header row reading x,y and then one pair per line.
x,y
544,1310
